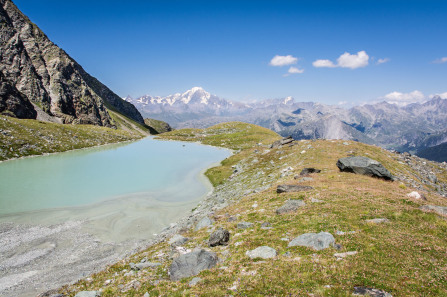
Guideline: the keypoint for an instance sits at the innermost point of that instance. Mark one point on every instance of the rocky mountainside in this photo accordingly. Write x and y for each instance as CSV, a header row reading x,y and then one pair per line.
x,y
42,78
406,128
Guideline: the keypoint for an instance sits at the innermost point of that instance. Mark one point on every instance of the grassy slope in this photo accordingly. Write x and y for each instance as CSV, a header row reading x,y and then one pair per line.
x,y
406,257
19,138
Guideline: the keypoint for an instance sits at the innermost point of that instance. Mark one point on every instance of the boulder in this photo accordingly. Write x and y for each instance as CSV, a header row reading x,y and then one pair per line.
x,y
365,166
316,241
309,170
441,210
177,240
203,223
292,188
378,221
264,252
281,142
289,206
191,264
244,225
219,237
88,294
371,292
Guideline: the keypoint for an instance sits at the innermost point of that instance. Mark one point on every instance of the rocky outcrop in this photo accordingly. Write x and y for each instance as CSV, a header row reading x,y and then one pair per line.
x,y
157,126
50,78
364,166
13,103
219,237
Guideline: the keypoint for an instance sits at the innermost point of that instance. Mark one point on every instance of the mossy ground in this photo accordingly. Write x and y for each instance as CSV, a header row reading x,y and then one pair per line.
x,y
20,138
405,257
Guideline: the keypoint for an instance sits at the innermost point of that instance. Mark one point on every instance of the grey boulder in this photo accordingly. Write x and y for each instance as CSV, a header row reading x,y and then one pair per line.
x,y
264,252
441,210
371,292
219,237
191,264
364,166
290,206
244,225
177,240
317,241
292,188
309,170
203,223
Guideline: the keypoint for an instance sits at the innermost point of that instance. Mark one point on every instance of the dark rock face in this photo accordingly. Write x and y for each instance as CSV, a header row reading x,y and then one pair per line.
x,y
191,264
292,188
281,142
365,166
371,292
219,237
14,103
307,171
158,126
51,79
290,206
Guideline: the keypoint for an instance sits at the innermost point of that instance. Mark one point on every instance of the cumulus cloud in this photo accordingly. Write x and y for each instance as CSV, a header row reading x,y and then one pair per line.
x,y
441,60
347,60
404,98
442,95
293,70
283,60
323,63
382,61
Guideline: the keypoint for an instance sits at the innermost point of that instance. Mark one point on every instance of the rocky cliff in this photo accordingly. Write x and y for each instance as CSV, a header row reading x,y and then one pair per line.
x,y
49,79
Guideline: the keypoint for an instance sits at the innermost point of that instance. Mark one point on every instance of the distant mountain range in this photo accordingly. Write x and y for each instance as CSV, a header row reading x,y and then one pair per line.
x,y
410,128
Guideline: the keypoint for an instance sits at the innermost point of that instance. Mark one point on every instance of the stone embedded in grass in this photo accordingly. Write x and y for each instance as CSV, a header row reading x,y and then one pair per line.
x,y
191,264
315,200
441,210
303,179
219,237
203,223
414,195
309,170
292,188
244,225
264,252
88,294
290,206
364,166
371,292
317,241
140,266
177,240
344,255
378,221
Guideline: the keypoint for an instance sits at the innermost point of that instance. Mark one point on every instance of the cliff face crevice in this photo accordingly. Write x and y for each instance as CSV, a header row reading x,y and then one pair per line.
x,y
48,77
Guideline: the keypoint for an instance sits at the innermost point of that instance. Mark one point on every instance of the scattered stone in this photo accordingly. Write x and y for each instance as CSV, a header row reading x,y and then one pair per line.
x,y
365,166
284,239
146,294
264,252
266,224
344,255
316,241
194,281
281,142
177,240
303,179
219,237
88,294
290,206
144,265
292,188
378,221
441,210
371,292
191,264
203,223
338,232
244,225
232,219
414,195
309,170
315,200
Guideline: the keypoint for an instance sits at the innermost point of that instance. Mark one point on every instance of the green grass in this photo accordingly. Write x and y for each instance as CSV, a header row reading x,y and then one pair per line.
x,y
406,257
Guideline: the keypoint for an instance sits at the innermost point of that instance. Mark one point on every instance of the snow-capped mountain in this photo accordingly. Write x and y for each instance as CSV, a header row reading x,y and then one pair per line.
x,y
407,128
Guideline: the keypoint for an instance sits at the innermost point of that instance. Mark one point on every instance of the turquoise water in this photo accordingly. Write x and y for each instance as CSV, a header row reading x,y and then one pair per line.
x,y
165,171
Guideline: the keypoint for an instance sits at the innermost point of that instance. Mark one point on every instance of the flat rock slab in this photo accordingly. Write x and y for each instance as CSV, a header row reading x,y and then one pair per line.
x,y
264,252
292,188
378,221
441,210
191,264
317,241
307,171
244,225
88,294
203,223
219,237
344,255
290,206
363,291
364,166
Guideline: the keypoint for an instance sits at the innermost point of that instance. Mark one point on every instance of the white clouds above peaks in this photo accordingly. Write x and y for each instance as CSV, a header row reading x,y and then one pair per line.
x,y
283,60
346,60
402,99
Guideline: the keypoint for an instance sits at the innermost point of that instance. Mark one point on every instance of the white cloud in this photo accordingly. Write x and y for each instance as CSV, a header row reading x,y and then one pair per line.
x,y
283,60
353,61
323,63
347,60
382,61
441,60
442,95
293,70
402,99
342,102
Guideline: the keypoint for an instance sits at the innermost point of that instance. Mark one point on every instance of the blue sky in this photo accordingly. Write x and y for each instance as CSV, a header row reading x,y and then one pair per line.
x,y
226,47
